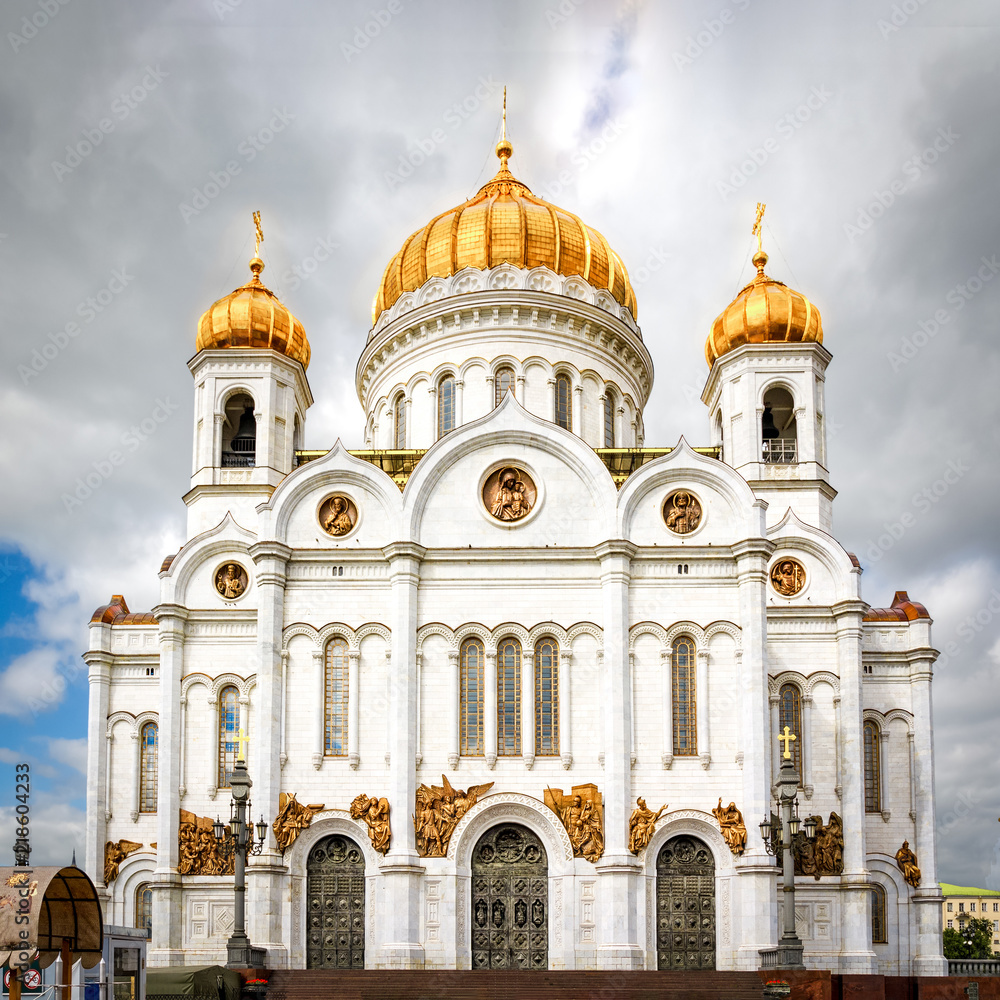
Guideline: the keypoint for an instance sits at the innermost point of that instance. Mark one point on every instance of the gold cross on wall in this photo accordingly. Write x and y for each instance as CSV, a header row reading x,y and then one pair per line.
x,y
786,737
242,738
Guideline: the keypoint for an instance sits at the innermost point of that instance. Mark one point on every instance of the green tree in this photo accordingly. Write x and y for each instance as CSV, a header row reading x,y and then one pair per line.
x,y
973,940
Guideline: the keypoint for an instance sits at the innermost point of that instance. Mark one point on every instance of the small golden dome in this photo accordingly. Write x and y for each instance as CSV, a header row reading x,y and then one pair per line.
x,y
765,312
254,317
504,223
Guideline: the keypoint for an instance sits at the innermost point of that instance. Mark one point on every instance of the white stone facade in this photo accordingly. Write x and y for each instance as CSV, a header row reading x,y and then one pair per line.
x,y
593,567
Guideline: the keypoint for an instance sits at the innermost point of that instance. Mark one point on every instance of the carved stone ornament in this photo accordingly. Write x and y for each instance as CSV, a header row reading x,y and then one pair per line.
x,y
733,828
788,577
114,855
374,813
682,512
438,810
197,847
293,817
509,494
231,581
824,855
582,813
907,862
641,824
338,515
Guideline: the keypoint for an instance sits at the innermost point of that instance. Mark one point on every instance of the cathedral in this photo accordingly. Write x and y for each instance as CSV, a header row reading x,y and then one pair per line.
x,y
508,680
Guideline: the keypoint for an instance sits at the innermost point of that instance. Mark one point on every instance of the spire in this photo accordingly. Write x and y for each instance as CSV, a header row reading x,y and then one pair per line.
x,y
504,149
759,258
256,264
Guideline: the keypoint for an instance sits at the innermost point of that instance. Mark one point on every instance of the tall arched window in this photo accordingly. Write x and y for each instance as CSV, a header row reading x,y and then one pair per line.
x,y
148,738
609,419
229,727
239,433
399,422
446,405
873,768
682,679
335,699
546,697
144,908
564,402
879,930
777,428
790,714
509,698
472,698
503,382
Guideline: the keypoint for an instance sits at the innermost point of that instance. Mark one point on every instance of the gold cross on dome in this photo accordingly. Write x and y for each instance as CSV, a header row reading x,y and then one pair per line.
x,y
259,233
786,737
757,224
504,135
242,739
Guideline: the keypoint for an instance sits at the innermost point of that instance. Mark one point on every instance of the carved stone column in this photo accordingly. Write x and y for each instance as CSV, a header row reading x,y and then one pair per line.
x,y
667,755
883,782
528,707
454,708
319,708
774,701
353,709
459,402
490,708
565,708
807,745
701,710
134,767
576,417
99,662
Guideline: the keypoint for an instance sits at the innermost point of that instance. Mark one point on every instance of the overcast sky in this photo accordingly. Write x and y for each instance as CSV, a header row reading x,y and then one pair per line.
x,y
136,140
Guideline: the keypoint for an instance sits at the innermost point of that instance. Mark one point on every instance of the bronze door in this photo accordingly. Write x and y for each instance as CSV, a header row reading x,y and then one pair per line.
x,y
685,905
510,900
335,905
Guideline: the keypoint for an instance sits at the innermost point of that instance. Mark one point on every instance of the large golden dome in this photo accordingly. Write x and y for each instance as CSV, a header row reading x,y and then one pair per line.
x,y
253,316
504,223
765,312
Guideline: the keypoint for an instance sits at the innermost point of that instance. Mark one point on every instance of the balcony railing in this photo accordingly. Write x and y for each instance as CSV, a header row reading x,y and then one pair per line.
x,y
974,967
778,451
233,461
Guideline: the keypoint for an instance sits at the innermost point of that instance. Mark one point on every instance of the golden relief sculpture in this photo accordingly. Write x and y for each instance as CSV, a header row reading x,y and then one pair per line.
x,y
824,855
231,581
509,494
681,512
438,811
198,849
293,817
338,515
582,813
733,828
374,813
788,577
114,855
907,862
641,824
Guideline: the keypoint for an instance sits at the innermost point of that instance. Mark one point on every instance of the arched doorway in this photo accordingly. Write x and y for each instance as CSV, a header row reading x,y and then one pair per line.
x,y
335,905
685,905
510,900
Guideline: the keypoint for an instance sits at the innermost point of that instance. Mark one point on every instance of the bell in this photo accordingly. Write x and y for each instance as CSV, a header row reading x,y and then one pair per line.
x,y
767,428
245,440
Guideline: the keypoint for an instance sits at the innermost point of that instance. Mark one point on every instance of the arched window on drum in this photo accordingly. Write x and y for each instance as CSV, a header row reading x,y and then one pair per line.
x,y
564,402
335,693
148,750
684,697
509,698
546,698
873,766
472,700
446,405
503,382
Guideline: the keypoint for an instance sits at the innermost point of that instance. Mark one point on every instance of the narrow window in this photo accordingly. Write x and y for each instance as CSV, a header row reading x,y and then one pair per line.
x,y
682,665
229,727
951,907
335,699
471,665
873,790
546,697
950,923
503,382
148,737
609,419
144,908
399,423
446,405
790,714
509,698
879,930
564,402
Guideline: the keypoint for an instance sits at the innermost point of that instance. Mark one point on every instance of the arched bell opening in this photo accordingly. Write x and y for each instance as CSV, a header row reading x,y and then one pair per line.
x,y
779,444
239,433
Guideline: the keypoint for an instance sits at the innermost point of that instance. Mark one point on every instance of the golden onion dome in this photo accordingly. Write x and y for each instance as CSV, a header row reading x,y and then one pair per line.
x,y
504,223
253,317
765,312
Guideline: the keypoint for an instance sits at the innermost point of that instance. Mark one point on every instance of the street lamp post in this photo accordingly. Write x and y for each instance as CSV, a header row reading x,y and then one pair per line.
x,y
241,843
788,954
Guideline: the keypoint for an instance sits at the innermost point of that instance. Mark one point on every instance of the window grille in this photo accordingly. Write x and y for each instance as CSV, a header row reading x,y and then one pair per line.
x,y
148,739
229,727
503,382
546,697
335,699
780,451
509,698
471,665
873,790
446,405
399,423
564,402
682,679
609,419
790,714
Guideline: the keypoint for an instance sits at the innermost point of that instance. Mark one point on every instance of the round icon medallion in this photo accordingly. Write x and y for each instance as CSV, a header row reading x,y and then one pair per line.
x,y
788,577
231,581
682,512
338,515
509,494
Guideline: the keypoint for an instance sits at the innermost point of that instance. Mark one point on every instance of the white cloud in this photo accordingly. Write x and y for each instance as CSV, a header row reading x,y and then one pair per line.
x,y
72,753
32,683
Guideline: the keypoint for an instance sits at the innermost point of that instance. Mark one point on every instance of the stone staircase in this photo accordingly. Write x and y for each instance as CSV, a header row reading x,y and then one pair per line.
x,y
377,984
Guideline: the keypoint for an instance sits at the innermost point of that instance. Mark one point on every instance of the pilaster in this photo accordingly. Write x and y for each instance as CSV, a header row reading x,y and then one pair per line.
x,y
99,662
